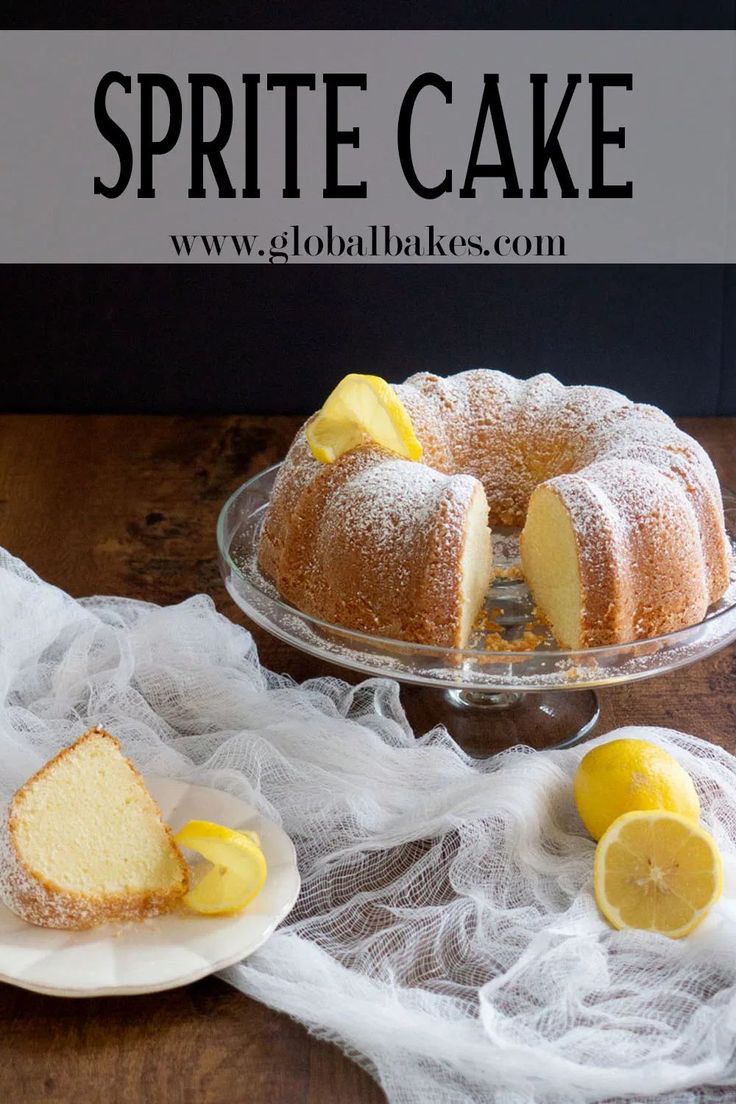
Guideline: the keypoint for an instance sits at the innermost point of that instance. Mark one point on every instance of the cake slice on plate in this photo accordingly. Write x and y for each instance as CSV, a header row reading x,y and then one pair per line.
x,y
84,842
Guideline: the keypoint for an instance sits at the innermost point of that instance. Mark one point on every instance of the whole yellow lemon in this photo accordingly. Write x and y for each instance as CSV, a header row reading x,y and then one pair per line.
x,y
628,775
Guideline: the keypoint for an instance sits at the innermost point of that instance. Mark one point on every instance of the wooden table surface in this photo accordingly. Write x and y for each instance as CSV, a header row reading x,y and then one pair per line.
x,y
127,506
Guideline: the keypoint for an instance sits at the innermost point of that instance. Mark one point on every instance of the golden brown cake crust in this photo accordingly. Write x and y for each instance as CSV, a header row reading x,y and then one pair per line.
x,y
39,901
649,564
372,544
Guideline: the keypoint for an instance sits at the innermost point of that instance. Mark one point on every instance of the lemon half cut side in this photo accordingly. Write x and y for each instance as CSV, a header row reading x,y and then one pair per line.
x,y
362,406
657,871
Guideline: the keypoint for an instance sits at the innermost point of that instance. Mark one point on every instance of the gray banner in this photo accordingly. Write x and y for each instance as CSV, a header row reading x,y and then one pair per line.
x,y
670,135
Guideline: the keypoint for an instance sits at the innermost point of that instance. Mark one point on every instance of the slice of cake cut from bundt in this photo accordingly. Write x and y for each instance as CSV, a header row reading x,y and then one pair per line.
x,y
84,842
380,544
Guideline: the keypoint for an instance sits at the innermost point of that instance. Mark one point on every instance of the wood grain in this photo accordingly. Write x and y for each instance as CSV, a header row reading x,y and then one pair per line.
x,y
127,506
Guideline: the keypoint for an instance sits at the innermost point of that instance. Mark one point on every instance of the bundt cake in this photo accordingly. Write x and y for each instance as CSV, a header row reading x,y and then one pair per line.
x,y
623,533
84,842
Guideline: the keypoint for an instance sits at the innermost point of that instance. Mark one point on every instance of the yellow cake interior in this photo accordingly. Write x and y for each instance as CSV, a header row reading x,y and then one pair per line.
x,y
549,556
476,565
87,824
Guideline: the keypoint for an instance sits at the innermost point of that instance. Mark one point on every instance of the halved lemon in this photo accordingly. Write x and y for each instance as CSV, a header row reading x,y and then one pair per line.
x,y
360,407
238,870
657,871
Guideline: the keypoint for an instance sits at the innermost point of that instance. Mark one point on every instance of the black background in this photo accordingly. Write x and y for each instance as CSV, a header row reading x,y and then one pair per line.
x,y
268,339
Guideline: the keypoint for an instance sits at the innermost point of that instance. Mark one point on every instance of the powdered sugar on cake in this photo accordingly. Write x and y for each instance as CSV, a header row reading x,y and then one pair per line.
x,y
358,542
392,501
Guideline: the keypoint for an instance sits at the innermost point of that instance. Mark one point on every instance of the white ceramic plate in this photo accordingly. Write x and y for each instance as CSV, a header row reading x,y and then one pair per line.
x,y
166,951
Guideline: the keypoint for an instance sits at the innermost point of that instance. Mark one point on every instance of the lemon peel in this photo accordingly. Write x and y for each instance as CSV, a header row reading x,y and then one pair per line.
x,y
625,775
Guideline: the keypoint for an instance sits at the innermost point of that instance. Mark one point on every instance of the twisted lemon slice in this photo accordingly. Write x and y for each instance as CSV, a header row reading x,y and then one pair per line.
x,y
238,869
658,871
359,407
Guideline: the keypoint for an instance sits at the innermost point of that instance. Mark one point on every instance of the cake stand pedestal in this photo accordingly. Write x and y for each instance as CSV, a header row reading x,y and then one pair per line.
x,y
511,685
483,723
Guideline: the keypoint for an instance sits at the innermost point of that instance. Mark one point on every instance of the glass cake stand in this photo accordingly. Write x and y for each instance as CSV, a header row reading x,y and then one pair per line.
x,y
512,684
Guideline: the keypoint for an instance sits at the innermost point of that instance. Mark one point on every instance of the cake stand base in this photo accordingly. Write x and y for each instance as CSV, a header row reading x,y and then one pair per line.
x,y
484,723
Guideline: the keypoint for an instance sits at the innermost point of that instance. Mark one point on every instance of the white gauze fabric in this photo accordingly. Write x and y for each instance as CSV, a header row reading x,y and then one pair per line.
x,y
446,936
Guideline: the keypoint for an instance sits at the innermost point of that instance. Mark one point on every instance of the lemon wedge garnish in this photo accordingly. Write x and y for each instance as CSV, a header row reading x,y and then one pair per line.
x,y
657,871
360,407
238,869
